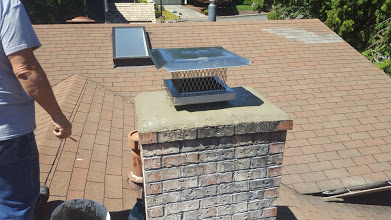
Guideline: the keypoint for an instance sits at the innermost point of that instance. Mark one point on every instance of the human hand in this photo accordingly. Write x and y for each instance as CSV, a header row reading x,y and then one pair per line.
x,y
62,127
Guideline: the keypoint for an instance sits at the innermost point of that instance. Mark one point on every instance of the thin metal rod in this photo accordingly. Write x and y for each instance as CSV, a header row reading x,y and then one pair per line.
x,y
161,8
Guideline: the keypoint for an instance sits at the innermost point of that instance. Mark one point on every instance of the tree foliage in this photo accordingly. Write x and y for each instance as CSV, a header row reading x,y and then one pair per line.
x,y
53,11
365,24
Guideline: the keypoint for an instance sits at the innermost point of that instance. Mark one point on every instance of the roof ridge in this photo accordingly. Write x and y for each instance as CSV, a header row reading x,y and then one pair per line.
x,y
179,24
63,92
69,91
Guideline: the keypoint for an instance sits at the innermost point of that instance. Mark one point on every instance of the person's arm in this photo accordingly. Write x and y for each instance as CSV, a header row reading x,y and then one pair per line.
x,y
34,81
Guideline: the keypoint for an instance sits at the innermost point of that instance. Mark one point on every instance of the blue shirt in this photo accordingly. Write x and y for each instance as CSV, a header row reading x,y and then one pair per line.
x,y
17,114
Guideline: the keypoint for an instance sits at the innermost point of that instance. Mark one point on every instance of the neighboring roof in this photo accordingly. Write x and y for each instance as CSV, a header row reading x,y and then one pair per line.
x,y
132,12
340,102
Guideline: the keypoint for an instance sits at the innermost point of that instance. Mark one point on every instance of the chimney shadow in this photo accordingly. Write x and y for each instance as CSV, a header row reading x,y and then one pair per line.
x,y
284,213
120,215
244,98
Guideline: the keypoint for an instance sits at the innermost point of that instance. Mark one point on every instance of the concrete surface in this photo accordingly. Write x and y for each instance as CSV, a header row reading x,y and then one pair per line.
x,y
155,111
258,17
189,15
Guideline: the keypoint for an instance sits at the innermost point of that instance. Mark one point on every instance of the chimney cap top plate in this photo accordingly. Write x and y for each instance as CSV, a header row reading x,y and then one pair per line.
x,y
198,58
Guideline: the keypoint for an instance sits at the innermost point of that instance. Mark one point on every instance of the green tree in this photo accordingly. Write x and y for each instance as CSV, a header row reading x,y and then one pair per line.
x,y
263,5
53,11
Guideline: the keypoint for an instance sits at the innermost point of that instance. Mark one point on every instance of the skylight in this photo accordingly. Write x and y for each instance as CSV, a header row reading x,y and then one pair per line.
x,y
130,47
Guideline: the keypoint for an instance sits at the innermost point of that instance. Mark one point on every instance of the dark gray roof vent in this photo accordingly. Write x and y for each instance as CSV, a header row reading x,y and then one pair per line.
x,y
131,47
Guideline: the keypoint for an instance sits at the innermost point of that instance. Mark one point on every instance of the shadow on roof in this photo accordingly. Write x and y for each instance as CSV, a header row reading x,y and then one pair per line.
x,y
45,212
120,215
284,213
377,198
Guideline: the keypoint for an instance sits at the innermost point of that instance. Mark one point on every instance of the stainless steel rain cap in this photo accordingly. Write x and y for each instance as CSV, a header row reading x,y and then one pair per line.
x,y
199,58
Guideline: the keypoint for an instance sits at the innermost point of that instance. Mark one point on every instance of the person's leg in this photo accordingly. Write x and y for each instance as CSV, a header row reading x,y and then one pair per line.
x,y
19,177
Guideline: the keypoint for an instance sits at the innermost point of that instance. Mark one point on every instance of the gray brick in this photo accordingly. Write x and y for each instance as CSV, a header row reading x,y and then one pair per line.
x,y
260,204
170,148
223,131
178,184
260,184
169,217
200,214
232,187
182,207
232,165
215,155
257,162
156,200
248,196
155,212
198,193
239,216
275,159
227,217
245,128
198,169
249,174
273,126
252,150
219,131
189,134
277,181
216,201
153,188
206,132
231,209
149,150
270,137
263,127
161,174
180,159
266,161
255,215
237,140
215,178
152,163
170,136
199,144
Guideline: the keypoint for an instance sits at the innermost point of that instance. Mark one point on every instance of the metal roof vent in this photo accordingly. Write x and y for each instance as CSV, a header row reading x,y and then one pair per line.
x,y
198,75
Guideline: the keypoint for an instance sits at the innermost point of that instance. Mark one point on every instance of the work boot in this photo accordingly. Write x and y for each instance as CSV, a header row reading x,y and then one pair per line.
x,y
43,197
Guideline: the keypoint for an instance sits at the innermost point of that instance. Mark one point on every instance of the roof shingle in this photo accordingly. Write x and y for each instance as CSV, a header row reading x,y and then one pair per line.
x,y
339,100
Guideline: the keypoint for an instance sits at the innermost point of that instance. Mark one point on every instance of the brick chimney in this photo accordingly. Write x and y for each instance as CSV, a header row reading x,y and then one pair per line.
x,y
211,160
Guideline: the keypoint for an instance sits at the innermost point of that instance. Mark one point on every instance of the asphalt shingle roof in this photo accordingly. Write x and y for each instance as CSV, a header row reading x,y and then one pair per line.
x,y
340,102
96,163
293,205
